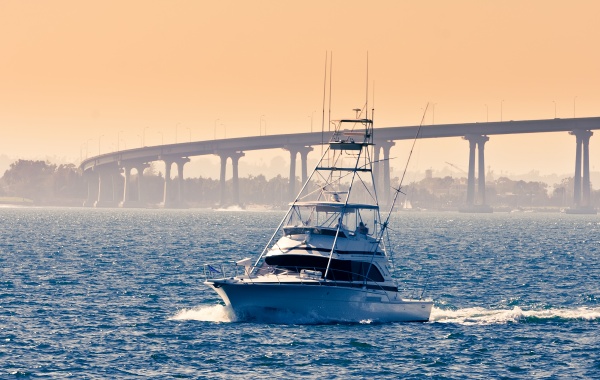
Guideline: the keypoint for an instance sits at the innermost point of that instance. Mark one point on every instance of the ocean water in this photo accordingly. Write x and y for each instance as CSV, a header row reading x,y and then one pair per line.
x,y
99,294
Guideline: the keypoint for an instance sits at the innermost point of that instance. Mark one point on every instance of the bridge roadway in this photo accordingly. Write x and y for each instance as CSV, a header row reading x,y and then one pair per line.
x,y
476,133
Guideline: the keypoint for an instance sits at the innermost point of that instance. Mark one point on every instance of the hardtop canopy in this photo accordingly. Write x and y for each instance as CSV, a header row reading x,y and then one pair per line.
x,y
336,206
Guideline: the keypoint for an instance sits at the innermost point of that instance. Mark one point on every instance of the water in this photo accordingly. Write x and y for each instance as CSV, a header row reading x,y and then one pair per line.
x,y
95,294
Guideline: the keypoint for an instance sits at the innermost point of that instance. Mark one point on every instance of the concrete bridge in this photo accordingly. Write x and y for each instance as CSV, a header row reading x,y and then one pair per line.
x,y
103,169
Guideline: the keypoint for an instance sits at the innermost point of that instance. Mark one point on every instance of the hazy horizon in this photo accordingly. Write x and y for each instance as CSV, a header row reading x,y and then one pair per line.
x,y
80,78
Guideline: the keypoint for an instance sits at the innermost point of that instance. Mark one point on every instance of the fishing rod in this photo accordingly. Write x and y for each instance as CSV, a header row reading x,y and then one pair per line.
x,y
399,189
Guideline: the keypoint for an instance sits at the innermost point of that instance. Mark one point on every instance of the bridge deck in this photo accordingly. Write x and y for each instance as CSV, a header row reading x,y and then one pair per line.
x,y
199,148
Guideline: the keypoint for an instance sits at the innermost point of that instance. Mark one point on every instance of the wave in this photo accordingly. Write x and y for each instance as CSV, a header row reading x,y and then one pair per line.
x,y
481,316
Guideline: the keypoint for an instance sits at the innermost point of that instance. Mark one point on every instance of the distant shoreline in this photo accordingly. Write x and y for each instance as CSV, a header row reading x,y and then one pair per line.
x,y
16,201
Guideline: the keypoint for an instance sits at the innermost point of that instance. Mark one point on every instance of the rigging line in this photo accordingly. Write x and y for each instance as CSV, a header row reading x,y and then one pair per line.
x,y
342,212
309,194
413,147
384,225
425,286
289,211
330,81
366,188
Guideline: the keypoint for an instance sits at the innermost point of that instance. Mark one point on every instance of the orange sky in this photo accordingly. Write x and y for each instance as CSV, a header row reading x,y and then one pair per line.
x,y
76,73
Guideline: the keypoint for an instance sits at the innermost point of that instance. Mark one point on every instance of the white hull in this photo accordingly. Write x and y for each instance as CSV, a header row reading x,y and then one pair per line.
x,y
319,302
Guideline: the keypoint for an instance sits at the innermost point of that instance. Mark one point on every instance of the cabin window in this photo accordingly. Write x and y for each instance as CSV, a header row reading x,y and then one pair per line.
x,y
354,220
354,271
340,270
362,270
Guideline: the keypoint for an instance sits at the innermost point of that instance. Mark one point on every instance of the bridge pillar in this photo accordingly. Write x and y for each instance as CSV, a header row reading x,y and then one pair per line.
x,y
170,199
167,186
140,183
294,150
224,157
476,142
235,158
102,178
587,186
471,175
292,180
385,195
582,191
92,185
383,190
375,166
180,201
304,160
126,186
106,187
481,167
292,189
132,195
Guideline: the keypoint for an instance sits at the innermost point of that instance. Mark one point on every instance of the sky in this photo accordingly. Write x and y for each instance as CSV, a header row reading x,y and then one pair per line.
x,y
82,77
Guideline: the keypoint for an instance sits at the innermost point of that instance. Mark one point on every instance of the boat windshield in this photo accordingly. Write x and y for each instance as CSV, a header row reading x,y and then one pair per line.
x,y
354,218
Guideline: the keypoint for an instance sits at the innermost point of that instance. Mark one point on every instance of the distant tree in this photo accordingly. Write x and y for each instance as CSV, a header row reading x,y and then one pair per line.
x,y
68,183
30,179
562,195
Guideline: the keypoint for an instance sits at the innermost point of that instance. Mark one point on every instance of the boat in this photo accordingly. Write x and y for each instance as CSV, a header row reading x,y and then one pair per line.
x,y
407,206
329,258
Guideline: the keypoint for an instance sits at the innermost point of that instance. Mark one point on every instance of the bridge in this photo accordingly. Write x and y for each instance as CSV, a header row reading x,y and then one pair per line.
x,y
102,170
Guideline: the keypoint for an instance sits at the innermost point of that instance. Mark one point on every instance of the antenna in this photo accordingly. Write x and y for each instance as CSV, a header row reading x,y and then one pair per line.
x,y
367,90
323,119
373,109
330,76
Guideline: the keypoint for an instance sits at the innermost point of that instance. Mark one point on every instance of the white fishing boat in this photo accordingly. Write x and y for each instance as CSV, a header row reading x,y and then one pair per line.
x,y
329,258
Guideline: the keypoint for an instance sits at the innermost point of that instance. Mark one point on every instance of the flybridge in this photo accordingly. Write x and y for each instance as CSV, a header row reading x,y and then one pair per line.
x,y
344,139
336,205
363,121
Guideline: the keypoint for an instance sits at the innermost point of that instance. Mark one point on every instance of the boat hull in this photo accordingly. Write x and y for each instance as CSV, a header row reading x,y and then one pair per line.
x,y
318,302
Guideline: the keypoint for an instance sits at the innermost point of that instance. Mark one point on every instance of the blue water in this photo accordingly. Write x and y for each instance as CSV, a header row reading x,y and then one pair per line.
x,y
96,294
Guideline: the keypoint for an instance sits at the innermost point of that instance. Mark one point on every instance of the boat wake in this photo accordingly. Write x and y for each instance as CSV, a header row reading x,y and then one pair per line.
x,y
213,313
481,316
230,208
224,314
467,316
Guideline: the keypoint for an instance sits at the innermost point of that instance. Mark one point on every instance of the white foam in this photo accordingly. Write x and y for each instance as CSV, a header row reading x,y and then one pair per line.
x,y
230,208
481,316
466,316
213,313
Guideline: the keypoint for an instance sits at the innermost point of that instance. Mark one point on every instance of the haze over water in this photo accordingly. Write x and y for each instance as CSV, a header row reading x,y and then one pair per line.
x,y
118,294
